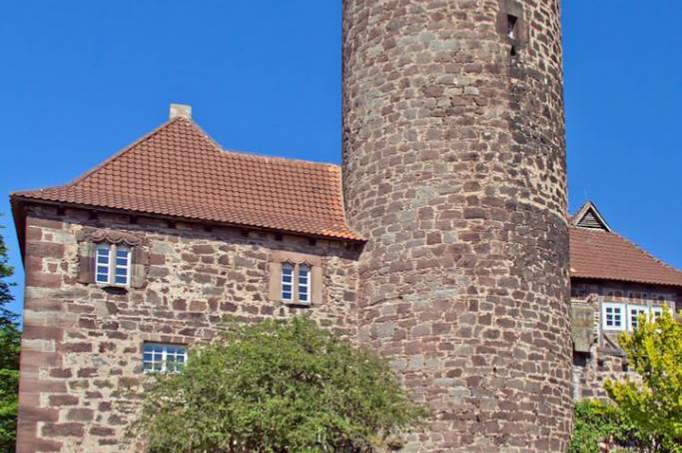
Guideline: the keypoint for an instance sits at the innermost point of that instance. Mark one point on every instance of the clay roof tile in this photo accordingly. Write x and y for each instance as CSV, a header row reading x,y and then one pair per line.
x,y
177,170
606,255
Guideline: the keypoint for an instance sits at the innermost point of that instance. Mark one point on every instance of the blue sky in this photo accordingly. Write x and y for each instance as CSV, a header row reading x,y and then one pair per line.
x,y
82,79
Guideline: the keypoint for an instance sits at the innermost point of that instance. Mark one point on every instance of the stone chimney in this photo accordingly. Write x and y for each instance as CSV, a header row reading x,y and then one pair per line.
x,y
180,110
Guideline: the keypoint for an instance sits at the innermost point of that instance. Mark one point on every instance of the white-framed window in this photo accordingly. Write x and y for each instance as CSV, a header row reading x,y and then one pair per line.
x,y
296,283
287,282
304,284
613,316
122,266
112,264
617,316
102,263
163,358
656,312
633,314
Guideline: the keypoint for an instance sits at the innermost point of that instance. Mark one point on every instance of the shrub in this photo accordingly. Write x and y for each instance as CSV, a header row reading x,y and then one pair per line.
x,y
277,386
597,422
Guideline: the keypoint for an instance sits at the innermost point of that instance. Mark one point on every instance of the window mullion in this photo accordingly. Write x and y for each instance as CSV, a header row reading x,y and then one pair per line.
x,y
112,264
294,283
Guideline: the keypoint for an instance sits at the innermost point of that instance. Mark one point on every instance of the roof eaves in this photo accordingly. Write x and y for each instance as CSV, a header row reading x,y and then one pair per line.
x,y
18,199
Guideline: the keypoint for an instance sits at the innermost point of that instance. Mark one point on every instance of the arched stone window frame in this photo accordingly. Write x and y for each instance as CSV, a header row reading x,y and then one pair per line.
x,y
88,240
314,264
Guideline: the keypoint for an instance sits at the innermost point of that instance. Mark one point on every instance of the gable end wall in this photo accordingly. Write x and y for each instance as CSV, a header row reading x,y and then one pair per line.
x,y
81,349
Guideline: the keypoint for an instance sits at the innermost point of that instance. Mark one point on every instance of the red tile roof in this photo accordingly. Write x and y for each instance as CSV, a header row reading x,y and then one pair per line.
x,y
178,171
606,255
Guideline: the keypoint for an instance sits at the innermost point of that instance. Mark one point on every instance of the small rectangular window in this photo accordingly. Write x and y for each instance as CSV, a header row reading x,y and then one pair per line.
x,y
163,358
613,316
633,312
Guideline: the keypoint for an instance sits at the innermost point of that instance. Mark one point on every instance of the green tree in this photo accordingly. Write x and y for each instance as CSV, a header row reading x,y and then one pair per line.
x,y
600,422
654,406
276,386
9,357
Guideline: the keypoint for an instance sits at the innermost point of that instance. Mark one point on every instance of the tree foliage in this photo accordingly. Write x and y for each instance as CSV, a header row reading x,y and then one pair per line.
x,y
9,357
654,351
276,386
599,423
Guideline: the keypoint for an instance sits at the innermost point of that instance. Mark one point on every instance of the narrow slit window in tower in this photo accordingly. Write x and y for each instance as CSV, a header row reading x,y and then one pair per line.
x,y
511,26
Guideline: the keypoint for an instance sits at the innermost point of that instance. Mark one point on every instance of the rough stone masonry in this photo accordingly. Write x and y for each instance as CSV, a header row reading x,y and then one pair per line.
x,y
453,176
454,171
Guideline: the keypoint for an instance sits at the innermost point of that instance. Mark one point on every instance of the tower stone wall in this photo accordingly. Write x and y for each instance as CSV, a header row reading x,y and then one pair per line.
x,y
454,170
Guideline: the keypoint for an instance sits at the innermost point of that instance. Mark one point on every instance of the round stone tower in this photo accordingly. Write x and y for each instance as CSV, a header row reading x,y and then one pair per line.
x,y
454,172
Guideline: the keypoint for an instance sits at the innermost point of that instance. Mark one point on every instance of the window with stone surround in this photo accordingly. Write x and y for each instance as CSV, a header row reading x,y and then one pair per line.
x,y
163,358
112,258
295,278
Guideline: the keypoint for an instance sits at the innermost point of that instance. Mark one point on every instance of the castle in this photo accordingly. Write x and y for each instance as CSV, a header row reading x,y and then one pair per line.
x,y
442,242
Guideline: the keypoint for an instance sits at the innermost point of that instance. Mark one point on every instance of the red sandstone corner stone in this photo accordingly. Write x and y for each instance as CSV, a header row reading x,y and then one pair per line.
x,y
43,280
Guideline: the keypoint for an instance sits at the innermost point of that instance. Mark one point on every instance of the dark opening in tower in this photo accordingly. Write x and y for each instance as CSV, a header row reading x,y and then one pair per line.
x,y
512,32
511,26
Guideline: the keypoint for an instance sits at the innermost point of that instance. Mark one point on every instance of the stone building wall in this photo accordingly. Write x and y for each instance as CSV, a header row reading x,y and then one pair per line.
x,y
605,360
81,350
454,171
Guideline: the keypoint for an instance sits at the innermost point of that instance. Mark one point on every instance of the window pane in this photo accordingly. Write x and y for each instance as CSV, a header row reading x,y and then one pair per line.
x,y
102,260
303,283
122,253
287,281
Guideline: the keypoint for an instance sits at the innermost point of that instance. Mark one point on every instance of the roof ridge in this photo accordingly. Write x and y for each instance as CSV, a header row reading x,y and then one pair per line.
x,y
255,155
